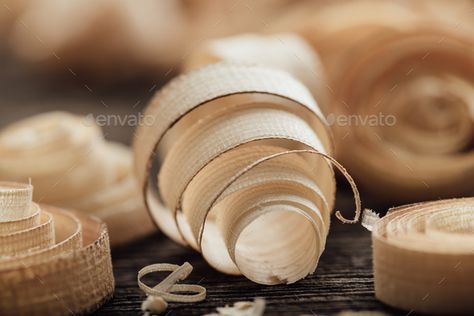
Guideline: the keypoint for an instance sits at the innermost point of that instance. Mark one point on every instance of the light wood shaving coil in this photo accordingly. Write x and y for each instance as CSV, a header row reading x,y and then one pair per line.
x,y
401,79
422,146
285,51
72,166
52,262
424,257
238,167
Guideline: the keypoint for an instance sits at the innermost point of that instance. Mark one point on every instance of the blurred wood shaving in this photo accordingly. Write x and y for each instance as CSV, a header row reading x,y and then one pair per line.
x,y
255,308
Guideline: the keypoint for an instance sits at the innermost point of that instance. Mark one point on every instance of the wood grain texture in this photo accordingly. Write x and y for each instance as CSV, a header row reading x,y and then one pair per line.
x,y
343,279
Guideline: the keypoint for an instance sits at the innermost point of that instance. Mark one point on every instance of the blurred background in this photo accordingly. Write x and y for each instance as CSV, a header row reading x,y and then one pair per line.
x,y
109,57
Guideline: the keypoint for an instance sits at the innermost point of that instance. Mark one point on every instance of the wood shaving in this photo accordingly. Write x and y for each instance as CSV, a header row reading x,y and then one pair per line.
x,y
239,158
255,308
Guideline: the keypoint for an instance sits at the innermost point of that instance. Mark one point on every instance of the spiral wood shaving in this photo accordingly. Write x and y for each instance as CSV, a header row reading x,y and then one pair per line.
x,y
424,257
52,262
238,167
402,82
422,94
72,166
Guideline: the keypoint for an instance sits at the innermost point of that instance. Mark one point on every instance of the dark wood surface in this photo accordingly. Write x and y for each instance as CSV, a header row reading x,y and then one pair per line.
x,y
342,281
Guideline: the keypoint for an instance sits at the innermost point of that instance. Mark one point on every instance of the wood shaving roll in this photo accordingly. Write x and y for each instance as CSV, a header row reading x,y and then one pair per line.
x,y
238,166
424,257
52,262
402,81
72,166
421,94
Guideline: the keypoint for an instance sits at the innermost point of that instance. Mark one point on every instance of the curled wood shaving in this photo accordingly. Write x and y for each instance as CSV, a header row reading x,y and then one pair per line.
x,y
419,93
52,261
424,257
369,218
165,291
72,166
290,53
154,305
255,308
239,158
